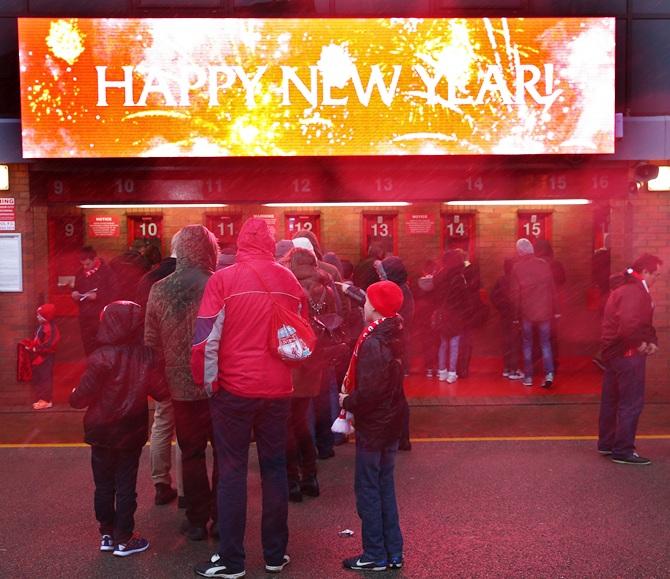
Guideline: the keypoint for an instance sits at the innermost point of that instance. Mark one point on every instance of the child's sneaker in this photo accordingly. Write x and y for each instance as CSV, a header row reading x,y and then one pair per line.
x,y
215,568
506,373
136,544
42,405
548,380
515,375
395,562
452,377
528,381
442,375
106,543
361,564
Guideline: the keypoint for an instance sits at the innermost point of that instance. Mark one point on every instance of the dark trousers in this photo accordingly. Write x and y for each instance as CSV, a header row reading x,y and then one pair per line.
x,y
88,326
404,436
115,499
233,418
376,502
193,424
464,354
511,344
300,449
621,404
43,379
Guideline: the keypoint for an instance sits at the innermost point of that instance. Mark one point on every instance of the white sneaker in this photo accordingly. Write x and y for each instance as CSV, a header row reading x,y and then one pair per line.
x,y
515,375
452,377
506,373
42,405
442,375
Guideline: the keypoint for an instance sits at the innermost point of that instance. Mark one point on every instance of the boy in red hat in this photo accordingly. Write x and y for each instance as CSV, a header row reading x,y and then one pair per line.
x,y
42,349
373,393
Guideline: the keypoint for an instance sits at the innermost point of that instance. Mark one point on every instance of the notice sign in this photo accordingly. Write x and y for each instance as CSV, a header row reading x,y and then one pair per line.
x,y
104,226
7,214
316,87
420,225
11,263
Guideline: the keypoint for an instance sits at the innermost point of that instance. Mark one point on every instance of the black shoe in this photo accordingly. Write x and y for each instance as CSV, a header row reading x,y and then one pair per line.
x,y
278,568
405,445
294,492
310,486
361,564
181,502
635,458
215,568
193,532
326,454
165,494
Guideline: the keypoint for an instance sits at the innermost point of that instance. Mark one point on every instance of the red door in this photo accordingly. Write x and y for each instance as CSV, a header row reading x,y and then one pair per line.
x,y
225,227
459,232
381,228
295,222
66,238
147,227
534,225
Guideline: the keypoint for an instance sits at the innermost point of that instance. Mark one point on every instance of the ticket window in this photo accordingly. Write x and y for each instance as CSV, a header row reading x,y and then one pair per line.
x,y
458,232
146,227
225,227
66,238
534,226
294,223
381,228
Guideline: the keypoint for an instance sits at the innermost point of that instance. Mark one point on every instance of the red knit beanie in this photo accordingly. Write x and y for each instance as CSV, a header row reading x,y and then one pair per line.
x,y
47,311
385,297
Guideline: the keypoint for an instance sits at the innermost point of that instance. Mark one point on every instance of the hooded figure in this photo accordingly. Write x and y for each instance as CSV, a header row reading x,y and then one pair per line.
x,y
170,321
119,376
250,389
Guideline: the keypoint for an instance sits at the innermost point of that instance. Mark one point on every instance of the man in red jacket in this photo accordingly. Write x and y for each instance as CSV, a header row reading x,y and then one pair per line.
x,y
628,337
248,388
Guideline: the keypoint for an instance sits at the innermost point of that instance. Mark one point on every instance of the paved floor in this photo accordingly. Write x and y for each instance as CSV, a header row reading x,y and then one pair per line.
x,y
468,509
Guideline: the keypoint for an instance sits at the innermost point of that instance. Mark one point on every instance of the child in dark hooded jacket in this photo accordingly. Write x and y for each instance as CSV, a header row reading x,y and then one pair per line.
x,y
119,376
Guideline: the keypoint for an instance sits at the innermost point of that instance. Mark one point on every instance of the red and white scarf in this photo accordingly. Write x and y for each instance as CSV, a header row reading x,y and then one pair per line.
x,y
96,266
349,382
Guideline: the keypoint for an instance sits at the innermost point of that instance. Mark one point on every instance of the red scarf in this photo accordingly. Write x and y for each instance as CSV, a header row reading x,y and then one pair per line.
x,y
349,382
96,266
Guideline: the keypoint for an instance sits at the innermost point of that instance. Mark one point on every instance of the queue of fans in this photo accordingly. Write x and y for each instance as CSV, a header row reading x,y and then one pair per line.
x,y
191,331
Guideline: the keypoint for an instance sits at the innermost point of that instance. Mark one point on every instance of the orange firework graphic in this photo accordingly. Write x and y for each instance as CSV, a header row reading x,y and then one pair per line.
x,y
286,87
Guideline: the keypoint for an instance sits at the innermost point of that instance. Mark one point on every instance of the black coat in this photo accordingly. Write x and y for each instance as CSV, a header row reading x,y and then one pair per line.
x,y
378,401
119,376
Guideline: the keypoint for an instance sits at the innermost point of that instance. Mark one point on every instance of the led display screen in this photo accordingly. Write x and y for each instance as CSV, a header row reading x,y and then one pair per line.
x,y
316,87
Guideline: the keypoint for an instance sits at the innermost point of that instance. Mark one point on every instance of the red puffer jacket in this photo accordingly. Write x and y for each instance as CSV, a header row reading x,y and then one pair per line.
x,y
231,340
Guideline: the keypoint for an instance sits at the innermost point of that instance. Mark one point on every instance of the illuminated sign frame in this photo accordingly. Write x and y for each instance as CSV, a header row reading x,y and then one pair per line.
x,y
316,87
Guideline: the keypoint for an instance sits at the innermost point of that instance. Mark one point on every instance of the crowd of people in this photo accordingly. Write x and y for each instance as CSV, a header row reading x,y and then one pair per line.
x,y
192,331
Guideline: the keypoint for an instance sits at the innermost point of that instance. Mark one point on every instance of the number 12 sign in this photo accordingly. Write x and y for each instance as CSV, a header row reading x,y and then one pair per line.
x,y
295,223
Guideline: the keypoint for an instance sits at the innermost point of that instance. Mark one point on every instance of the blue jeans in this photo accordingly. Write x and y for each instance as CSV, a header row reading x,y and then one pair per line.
x,y
233,417
376,502
452,344
621,404
544,329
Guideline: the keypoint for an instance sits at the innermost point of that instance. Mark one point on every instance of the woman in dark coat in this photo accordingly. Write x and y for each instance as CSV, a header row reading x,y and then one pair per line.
x,y
449,318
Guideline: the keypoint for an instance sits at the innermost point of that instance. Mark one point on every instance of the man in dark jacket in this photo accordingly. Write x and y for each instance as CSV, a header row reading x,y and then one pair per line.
x,y
170,321
374,394
534,298
250,388
119,376
94,288
628,337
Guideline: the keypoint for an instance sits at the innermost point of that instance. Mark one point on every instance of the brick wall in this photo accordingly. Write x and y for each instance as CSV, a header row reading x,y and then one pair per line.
x,y
18,309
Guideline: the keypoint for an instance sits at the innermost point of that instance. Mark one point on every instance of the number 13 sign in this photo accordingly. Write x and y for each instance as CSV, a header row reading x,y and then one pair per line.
x,y
379,228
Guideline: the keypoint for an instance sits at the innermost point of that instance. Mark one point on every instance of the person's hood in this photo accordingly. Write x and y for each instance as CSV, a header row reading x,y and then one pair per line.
x,y
196,247
313,240
255,241
395,270
331,258
303,265
47,311
121,322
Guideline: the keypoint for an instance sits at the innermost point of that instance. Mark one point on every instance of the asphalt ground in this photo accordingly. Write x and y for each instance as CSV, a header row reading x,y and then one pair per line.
x,y
500,508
